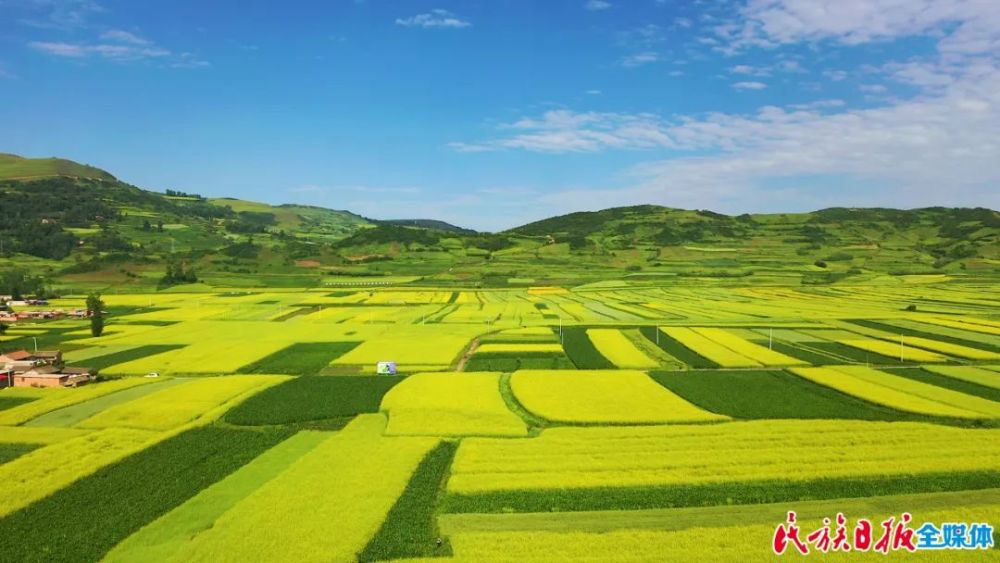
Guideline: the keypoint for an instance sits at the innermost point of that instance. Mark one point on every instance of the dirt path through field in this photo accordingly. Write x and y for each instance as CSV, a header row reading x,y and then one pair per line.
x,y
468,354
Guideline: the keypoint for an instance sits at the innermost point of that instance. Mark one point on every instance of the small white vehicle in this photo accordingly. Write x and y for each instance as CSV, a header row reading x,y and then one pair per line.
x,y
153,374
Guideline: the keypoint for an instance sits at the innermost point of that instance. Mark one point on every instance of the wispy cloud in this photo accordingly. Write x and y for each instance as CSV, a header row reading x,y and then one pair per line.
x,y
119,46
750,70
749,85
835,75
6,74
437,18
966,27
639,59
107,51
57,14
121,36
597,5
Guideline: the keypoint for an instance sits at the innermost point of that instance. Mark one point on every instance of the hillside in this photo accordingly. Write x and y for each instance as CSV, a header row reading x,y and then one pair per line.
x,y
100,232
430,224
13,166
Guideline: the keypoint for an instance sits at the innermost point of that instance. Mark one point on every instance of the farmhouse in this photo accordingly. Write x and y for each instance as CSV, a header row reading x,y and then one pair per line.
x,y
41,369
18,361
51,376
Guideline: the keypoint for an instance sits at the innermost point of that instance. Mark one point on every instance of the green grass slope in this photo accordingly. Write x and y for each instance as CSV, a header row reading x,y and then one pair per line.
x,y
13,166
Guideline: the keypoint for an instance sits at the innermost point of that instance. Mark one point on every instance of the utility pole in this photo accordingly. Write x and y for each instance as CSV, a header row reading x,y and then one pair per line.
x,y
770,339
35,338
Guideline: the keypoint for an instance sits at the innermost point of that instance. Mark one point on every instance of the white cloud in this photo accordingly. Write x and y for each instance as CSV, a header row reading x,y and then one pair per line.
x,y
122,47
59,49
639,59
57,14
937,147
835,75
749,70
873,88
931,150
597,5
749,85
968,26
108,51
593,92
437,18
121,36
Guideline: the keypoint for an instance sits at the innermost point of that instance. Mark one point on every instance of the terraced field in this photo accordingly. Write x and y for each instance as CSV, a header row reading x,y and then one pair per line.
x,y
618,421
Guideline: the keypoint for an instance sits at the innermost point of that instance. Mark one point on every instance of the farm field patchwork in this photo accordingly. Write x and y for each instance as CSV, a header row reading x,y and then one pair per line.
x,y
341,495
635,418
118,499
160,539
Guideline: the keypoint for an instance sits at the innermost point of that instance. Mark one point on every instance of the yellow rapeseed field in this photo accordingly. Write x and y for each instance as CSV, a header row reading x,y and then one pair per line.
x,y
955,350
519,347
788,450
597,396
893,350
182,404
37,434
748,349
707,348
407,350
450,404
618,349
899,392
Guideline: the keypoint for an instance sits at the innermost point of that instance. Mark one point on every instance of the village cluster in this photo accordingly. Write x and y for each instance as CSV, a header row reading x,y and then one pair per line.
x,y
8,315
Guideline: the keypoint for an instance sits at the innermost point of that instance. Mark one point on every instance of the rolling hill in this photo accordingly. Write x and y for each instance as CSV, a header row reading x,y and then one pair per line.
x,y
13,166
77,225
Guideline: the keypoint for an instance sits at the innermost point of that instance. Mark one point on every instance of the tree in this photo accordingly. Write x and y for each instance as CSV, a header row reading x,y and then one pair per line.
x,y
95,308
146,226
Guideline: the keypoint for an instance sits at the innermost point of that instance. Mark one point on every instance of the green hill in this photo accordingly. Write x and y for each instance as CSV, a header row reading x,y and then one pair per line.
x,y
13,166
83,231
430,224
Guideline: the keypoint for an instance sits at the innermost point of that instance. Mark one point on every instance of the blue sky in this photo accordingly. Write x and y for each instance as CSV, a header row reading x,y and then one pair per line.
x,y
492,113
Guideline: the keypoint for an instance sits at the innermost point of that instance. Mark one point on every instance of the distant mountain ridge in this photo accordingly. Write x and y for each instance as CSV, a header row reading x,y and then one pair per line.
x,y
74,222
